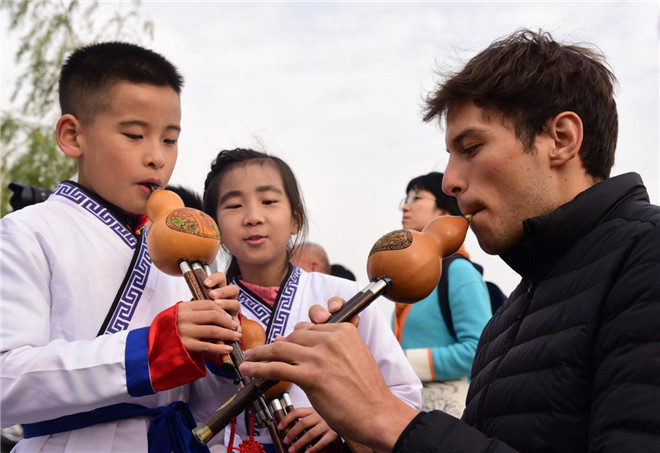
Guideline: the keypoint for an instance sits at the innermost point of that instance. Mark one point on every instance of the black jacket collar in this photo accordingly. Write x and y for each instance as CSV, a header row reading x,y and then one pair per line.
x,y
547,238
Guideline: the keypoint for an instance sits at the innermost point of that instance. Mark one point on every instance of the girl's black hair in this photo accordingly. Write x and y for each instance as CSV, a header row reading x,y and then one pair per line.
x,y
227,159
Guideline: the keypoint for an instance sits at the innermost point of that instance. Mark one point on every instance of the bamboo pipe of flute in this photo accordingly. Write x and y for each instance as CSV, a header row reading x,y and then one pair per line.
x,y
241,400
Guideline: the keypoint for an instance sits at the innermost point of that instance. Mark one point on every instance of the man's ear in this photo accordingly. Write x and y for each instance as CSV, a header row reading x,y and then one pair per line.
x,y
67,134
566,131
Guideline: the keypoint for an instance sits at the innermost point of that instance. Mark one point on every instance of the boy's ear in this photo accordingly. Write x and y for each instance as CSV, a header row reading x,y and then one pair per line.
x,y
66,133
566,131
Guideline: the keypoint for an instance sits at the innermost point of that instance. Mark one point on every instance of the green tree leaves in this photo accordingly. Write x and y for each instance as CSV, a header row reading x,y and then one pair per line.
x,y
47,31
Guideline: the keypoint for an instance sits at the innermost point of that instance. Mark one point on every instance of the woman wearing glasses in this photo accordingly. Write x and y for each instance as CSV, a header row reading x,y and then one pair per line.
x,y
440,341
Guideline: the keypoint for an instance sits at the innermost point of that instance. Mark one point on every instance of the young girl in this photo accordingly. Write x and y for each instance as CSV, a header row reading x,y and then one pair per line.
x,y
256,201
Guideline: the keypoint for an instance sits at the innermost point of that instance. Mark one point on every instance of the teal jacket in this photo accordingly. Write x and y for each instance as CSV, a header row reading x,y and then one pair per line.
x,y
434,354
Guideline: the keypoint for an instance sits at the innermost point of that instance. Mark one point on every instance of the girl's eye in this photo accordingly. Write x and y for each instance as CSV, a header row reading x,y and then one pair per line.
x,y
170,142
232,206
268,202
133,136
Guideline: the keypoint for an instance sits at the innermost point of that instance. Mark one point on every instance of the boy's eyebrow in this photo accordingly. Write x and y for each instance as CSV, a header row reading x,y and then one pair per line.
x,y
145,124
238,193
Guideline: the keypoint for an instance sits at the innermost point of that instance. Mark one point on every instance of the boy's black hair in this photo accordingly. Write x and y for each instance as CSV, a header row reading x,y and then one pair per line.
x,y
432,182
91,71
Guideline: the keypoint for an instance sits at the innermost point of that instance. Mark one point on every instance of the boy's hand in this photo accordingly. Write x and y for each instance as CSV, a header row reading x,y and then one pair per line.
x,y
201,323
310,429
222,291
181,337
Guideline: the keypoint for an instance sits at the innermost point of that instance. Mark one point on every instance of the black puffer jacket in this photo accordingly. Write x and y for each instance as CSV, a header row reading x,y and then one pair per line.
x,y
571,363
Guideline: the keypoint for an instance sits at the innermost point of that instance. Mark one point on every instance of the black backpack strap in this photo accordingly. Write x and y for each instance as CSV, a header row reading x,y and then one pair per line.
x,y
497,296
443,293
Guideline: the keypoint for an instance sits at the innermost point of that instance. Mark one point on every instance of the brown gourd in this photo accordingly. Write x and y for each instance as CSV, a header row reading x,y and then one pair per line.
x,y
178,233
254,335
413,260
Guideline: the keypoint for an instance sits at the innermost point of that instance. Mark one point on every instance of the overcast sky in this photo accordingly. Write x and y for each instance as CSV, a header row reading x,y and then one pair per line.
x,y
336,90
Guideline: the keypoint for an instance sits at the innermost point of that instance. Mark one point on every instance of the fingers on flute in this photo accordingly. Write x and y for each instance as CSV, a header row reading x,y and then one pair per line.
x,y
206,312
296,345
335,303
274,370
321,443
302,325
194,345
297,421
212,333
225,292
318,314
289,419
276,351
199,330
276,361
231,306
216,279
316,433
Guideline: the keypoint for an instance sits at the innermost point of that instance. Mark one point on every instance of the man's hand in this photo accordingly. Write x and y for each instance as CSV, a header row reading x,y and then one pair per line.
x,y
335,368
319,315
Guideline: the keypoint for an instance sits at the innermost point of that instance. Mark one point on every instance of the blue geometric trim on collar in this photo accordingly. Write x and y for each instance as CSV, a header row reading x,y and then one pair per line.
x,y
263,312
283,308
139,274
79,197
133,290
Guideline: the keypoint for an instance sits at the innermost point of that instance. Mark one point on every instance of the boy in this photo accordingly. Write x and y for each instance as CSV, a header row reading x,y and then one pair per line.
x,y
93,347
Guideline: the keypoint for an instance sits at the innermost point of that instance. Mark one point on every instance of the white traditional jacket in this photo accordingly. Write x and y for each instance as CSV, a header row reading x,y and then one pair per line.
x,y
69,267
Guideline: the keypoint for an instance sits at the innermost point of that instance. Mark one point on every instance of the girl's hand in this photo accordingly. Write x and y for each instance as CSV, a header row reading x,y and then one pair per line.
x,y
310,429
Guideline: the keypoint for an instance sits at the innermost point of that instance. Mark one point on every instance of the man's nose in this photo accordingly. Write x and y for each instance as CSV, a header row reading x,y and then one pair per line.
x,y
452,184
